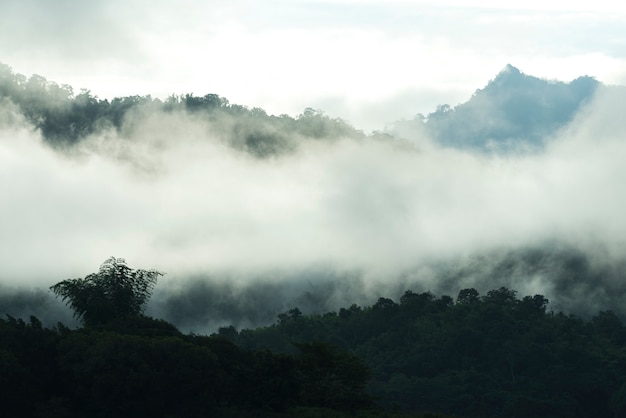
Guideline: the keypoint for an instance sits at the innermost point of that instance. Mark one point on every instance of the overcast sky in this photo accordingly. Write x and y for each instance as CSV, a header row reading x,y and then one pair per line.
x,y
369,62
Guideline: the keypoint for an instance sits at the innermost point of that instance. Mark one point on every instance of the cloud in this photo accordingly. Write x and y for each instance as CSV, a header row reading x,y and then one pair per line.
x,y
25,302
376,216
202,303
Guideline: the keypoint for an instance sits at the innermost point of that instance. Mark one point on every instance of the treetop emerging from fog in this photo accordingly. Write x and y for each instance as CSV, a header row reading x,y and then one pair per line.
x,y
115,292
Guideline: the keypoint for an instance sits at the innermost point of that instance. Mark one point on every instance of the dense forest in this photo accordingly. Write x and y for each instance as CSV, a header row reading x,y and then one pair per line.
x,y
494,355
478,356
122,363
65,118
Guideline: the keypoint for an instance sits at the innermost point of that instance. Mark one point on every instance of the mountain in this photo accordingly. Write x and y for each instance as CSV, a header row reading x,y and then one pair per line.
x,y
513,111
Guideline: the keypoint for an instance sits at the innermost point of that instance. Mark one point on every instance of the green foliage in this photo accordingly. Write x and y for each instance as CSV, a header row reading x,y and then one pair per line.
x,y
28,370
467,296
115,291
145,369
331,377
490,356
128,375
291,315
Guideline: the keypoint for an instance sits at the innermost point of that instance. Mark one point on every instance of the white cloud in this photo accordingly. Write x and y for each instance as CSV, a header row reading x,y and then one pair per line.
x,y
183,202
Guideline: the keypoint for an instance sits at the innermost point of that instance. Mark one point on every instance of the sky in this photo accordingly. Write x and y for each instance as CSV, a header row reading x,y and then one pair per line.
x,y
334,220
369,62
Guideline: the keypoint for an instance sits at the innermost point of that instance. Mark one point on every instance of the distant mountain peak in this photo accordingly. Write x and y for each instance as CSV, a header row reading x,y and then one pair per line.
x,y
513,111
509,70
509,74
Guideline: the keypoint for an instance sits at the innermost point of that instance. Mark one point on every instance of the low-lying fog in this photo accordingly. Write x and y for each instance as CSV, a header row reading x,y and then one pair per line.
x,y
329,224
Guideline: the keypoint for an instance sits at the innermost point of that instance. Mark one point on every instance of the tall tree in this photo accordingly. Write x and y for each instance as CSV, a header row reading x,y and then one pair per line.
x,y
115,291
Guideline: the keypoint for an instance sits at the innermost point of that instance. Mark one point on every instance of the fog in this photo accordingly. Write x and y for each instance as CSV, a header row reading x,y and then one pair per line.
x,y
324,225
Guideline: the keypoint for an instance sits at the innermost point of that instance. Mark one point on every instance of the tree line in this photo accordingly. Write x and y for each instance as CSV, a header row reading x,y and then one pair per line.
x,y
492,355
65,118
121,363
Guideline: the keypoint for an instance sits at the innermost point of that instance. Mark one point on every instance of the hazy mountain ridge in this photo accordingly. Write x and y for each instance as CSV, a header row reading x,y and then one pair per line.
x,y
66,119
514,111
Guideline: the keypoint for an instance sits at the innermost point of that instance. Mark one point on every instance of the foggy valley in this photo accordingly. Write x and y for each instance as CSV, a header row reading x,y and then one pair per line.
x,y
312,208
250,214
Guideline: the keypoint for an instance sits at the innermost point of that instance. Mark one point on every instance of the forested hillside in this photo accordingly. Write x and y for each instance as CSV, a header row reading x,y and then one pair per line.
x,y
477,356
121,363
495,355
65,117
514,111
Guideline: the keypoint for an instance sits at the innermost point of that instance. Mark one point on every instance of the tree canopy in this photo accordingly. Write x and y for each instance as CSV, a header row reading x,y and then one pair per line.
x,y
495,355
115,291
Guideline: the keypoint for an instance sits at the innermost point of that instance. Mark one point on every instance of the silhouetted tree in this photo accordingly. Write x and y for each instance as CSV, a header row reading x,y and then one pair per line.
x,y
467,296
290,315
115,291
